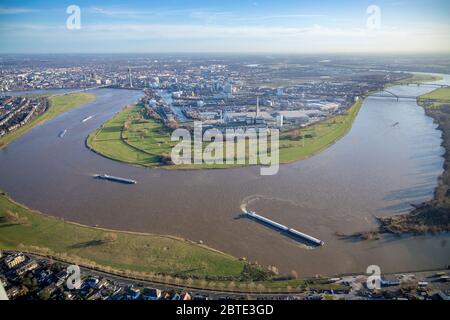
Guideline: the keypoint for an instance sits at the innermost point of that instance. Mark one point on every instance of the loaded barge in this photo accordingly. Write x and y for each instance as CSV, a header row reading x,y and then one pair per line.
x,y
62,134
87,119
114,179
285,229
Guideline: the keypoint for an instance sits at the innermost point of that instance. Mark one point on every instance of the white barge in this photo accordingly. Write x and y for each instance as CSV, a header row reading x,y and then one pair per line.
x,y
62,134
87,119
283,228
114,179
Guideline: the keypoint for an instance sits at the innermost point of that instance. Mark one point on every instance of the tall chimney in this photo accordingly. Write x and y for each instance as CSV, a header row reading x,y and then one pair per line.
x,y
131,81
257,106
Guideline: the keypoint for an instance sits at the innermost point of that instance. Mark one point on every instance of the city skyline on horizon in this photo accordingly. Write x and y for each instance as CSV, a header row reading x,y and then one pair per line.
x,y
289,27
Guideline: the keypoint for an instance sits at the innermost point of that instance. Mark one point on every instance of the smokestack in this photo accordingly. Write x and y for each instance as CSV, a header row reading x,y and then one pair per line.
x,y
131,81
257,106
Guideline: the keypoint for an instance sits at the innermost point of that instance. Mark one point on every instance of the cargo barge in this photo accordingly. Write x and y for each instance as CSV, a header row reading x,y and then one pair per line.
x,y
87,119
289,231
62,134
114,179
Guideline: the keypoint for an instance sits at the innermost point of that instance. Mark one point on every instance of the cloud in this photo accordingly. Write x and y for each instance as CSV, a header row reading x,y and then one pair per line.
x,y
189,31
281,16
198,14
104,37
171,31
121,12
399,3
15,10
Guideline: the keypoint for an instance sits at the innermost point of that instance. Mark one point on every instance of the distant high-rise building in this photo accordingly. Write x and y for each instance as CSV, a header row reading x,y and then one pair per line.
x,y
228,89
280,121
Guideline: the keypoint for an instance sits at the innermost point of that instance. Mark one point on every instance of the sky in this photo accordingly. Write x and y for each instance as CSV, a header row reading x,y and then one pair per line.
x,y
227,26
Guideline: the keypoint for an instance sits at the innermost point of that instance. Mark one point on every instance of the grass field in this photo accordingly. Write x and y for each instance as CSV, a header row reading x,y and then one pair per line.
x,y
144,141
317,137
24,229
57,105
108,139
442,93
416,78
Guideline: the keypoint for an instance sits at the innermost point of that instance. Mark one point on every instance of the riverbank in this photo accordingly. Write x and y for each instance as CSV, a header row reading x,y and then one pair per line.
x,y
148,257
416,78
27,230
432,216
133,138
57,105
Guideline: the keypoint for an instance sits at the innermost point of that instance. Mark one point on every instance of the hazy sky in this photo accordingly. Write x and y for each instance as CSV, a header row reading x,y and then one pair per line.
x,y
284,26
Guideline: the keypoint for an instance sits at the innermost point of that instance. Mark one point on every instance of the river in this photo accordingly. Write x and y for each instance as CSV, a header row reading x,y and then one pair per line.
x,y
377,169
178,111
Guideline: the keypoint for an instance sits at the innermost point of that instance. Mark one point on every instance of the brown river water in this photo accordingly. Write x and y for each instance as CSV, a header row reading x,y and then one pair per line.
x,y
377,169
